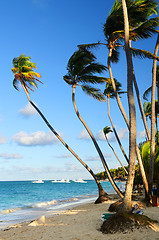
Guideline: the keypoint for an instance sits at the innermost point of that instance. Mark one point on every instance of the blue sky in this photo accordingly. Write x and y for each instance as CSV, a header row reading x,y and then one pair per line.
x,y
49,31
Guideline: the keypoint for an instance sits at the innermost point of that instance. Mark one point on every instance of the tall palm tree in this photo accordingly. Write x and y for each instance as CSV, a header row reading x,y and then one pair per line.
x,y
153,115
109,92
81,69
126,206
24,74
140,27
107,130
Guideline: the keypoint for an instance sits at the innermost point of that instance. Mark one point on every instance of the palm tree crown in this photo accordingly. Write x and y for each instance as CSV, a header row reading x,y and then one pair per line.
x,y
23,72
81,69
140,26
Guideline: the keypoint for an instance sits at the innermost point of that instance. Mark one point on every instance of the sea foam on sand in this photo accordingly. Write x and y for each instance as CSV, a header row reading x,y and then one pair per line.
x,y
79,223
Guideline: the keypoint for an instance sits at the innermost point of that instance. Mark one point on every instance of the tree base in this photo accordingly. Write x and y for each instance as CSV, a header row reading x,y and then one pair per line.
x,y
102,199
125,222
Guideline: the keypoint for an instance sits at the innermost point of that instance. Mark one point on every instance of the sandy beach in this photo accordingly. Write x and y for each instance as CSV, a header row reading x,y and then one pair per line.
x,y
79,223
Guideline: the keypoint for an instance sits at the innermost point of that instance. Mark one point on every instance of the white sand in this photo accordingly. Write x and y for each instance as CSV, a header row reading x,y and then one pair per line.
x,y
80,223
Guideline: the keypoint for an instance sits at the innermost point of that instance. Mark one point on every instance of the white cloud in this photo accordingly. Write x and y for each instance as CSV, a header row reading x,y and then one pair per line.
x,y
83,135
92,158
2,139
101,137
64,156
11,156
69,167
97,158
34,139
141,134
122,133
28,110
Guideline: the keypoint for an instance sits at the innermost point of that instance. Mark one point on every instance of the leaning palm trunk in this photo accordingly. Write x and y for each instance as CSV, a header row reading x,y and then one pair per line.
x,y
103,196
116,135
141,106
126,206
95,144
142,170
115,154
151,173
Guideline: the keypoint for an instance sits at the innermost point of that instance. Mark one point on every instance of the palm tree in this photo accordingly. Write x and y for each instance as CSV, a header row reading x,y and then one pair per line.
x,y
126,206
154,69
107,130
140,27
81,69
24,74
109,92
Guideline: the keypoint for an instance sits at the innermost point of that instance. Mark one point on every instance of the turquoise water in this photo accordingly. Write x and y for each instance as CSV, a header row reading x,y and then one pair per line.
x,y
24,200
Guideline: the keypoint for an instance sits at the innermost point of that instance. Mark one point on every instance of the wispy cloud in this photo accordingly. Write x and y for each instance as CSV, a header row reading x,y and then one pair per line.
x,y
100,136
3,140
65,156
27,111
122,133
83,135
97,158
141,134
69,167
35,139
11,156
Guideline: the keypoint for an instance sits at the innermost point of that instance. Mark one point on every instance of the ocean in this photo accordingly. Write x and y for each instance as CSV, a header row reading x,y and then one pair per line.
x,y
24,200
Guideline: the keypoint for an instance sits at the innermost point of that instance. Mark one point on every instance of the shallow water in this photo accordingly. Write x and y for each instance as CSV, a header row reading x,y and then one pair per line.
x,y
24,200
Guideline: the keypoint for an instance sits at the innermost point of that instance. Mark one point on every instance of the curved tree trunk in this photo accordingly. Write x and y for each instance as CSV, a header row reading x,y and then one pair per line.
x,y
126,206
103,196
142,170
95,144
141,106
115,154
116,135
151,173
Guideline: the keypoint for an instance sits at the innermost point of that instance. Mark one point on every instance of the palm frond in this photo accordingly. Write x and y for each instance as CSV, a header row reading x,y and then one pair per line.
x,y
147,93
88,46
115,55
23,72
93,92
68,79
145,30
93,68
92,79
15,84
143,54
107,130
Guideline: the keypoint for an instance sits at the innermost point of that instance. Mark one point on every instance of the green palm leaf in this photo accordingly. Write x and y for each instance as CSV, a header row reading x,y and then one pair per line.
x,y
93,92
143,53
24,73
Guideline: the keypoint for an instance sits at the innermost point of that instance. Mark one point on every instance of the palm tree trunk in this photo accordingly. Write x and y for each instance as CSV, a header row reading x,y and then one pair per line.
x,y
126,206
142,170
95,144
103,196
116,135
141,106
115,154
151,173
